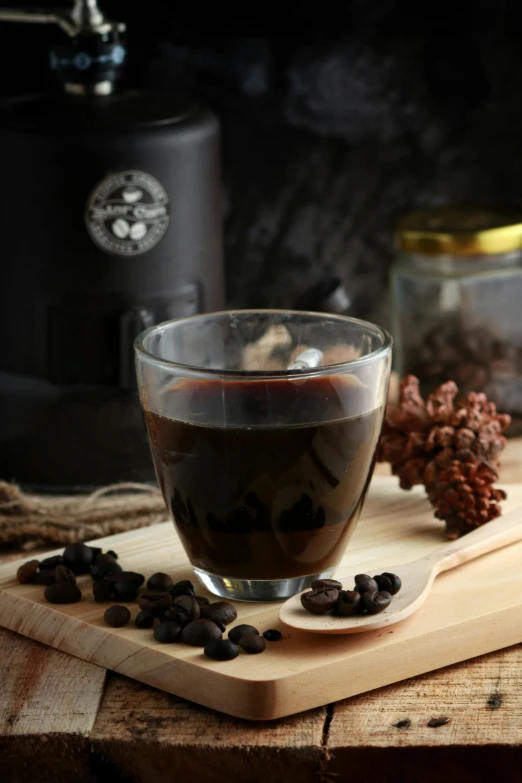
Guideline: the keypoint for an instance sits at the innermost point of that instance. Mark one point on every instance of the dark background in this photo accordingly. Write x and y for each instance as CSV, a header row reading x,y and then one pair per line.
x,y
337,119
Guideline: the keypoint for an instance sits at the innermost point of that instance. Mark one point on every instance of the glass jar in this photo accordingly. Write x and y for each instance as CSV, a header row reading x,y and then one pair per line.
x,y
457,303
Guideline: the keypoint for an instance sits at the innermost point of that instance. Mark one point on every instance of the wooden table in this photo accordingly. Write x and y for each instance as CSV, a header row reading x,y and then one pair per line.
x,y
62,719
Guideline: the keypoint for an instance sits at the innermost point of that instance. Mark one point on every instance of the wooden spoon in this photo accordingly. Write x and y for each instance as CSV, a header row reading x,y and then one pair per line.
x,y
417,578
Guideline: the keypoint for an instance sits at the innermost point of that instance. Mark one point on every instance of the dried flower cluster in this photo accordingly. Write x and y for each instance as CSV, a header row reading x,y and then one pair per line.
x,y
452,447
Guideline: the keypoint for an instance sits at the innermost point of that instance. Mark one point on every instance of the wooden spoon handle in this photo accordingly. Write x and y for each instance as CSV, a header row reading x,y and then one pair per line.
x,y
493,535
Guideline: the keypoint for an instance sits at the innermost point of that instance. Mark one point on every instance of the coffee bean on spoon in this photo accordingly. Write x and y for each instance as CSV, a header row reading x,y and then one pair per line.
x,y
252,643
221,650
395,581
167,632
78,557
365,584
159,581
320,601
62,593
64,574
238,631
348,603
200,632
223,612
27,573
375,601
117,616
318,583
383,583
144,619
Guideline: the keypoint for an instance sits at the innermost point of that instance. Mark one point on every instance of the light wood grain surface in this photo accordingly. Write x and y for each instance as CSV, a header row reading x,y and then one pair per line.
x,y
383,734
305,669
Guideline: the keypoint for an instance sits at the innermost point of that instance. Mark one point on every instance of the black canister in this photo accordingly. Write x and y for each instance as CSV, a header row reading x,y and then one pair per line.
x,y
110,211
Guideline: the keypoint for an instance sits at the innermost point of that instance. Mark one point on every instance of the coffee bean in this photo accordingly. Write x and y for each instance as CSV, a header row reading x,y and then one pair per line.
x,y
102,590
221,650
200,632
272,635
45,577
159,581
182,588
64,574
167,632
188,605
157,603
78,557
252,643
365,584
62,593
320,601
127,576
105,565
202,601
125,591
318,583
112,554
396,583
375,601
223,612
27,572
205,612
50,563
348,603
96,550
177,616
144,619
238,631
383,583
117,616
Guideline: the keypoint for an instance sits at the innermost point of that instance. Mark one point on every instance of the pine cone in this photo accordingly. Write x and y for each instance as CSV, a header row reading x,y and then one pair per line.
x,y
451,448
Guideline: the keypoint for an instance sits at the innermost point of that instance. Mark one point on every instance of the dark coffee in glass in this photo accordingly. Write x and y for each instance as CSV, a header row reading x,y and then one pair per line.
x,y
265,473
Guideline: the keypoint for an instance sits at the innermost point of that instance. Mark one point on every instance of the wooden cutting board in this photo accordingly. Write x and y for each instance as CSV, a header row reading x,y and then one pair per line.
x,y
473,610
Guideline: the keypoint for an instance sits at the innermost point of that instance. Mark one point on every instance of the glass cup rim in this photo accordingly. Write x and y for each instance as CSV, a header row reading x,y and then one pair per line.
x,y
368,358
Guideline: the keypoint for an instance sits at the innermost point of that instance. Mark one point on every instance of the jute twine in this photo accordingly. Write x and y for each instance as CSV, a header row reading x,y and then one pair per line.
x,y
30,521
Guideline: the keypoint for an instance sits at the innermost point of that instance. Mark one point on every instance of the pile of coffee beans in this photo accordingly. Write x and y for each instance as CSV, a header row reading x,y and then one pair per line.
x,y
171,610
370,595
241,637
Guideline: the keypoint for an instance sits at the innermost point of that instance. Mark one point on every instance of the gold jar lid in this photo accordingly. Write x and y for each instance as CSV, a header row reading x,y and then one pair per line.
x,y
460,232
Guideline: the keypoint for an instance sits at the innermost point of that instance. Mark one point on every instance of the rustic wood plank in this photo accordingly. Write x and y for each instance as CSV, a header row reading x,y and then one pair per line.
x,y
155,737
387,732
48,702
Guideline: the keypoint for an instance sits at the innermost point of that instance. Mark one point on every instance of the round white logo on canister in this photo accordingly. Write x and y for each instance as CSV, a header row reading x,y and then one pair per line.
x,y
127,213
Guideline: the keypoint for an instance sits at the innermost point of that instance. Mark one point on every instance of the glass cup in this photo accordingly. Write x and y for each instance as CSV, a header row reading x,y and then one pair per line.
x,y
263,426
